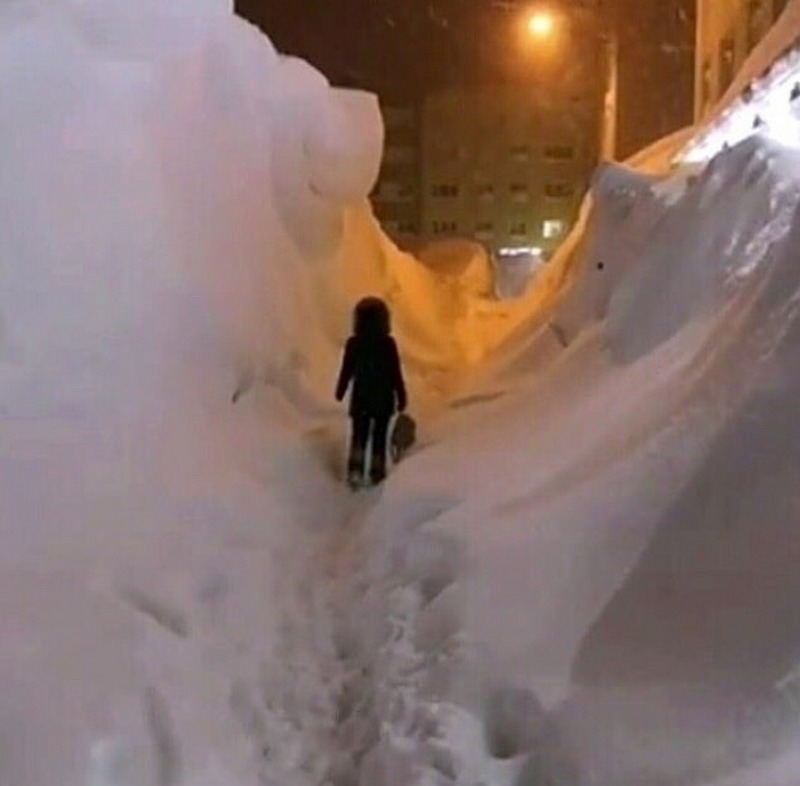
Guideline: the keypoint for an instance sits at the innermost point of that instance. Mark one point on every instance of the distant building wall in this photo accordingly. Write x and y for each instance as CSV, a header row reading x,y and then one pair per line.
x,y
396,196
727,31
505,165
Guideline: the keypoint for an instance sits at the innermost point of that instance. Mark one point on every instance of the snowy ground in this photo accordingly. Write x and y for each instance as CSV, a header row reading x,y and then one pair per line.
x,y
585,573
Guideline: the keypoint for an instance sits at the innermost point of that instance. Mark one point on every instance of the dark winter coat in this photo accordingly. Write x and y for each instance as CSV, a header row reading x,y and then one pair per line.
x,y
371,362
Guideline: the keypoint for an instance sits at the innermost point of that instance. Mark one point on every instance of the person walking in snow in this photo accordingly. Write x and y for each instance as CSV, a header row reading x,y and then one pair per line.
x,y
372,363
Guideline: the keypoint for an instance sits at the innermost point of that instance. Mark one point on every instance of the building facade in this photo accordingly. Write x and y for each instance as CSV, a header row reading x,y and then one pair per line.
x,y
396,198
505,166
727,31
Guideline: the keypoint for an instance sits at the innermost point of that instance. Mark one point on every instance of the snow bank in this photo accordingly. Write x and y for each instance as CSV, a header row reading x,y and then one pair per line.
x,y
463,263
187,595
170,186
618,511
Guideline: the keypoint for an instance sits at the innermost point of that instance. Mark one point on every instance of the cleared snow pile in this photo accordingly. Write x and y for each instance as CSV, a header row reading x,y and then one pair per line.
x,y
591,580
461,264
446,323
695,645
619,517
169,186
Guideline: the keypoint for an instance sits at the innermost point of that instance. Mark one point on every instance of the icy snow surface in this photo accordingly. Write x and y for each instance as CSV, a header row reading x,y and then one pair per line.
x,y
584,574
762,99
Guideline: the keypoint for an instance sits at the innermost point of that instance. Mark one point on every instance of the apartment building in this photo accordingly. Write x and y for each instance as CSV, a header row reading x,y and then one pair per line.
x,y
727,31
396,198
505,166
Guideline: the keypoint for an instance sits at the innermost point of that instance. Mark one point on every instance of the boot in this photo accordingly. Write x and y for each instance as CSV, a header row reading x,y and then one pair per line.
x,y
355,469
377,472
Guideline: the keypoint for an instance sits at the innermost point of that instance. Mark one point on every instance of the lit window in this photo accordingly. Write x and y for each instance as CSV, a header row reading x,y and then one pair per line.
x,y
553,228
509,252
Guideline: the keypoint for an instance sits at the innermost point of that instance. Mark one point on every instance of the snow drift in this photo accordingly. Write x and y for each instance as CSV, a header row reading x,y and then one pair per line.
x,y
585,573
622,507
169,184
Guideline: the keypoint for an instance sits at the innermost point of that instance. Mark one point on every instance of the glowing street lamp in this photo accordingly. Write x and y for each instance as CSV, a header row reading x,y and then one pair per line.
x,y
541,24
544,25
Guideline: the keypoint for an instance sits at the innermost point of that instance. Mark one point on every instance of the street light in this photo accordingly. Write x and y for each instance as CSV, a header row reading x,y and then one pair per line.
x,y
541,24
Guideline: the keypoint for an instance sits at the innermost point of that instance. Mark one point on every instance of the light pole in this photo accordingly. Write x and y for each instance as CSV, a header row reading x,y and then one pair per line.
x,y
609,120
542,25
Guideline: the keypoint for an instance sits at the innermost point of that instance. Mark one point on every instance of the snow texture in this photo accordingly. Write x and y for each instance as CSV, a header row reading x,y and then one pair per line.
x,y
585,573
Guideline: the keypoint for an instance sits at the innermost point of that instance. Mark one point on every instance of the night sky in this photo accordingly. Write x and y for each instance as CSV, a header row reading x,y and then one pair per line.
x,y
402,49
393,47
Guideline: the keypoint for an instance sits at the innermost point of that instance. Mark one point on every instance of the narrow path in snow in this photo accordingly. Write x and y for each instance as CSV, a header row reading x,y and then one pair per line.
x,y
308,716
368,639
384,722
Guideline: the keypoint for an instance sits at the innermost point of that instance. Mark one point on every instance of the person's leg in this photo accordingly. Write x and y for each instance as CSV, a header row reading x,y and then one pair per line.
x,y
380,428
358,447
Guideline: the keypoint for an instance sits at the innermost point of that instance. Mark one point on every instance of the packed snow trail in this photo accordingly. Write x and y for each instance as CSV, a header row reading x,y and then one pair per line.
x,y
189,597
370,681
357,689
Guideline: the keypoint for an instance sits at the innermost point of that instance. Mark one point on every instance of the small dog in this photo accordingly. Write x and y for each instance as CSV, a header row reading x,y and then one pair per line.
x,y
404,435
